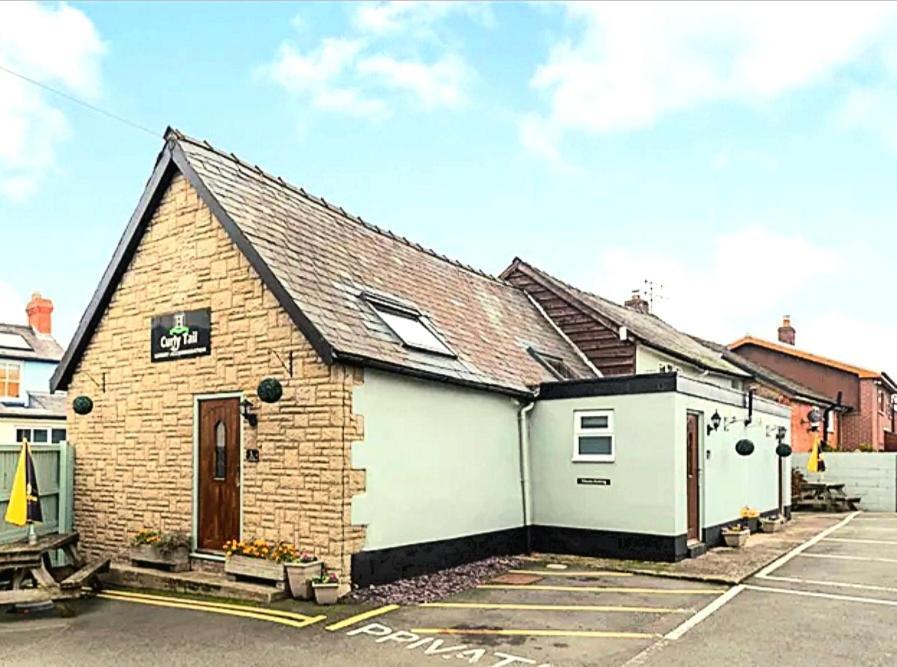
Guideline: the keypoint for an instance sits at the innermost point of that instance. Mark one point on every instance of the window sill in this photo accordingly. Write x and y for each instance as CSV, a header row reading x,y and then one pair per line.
x,y
593,459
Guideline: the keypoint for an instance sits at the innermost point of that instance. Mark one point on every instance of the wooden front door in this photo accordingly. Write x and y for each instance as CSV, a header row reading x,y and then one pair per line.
x,y
218,496
693,466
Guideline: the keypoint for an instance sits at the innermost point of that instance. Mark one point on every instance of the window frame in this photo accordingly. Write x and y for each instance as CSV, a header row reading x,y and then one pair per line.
x,y
380,305
21,368
607,431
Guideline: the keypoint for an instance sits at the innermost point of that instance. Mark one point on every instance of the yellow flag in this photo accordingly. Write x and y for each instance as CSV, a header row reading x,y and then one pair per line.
x,y
24,498
813,461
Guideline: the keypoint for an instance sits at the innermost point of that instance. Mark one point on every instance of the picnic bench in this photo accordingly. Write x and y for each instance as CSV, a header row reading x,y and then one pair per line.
x,y
33,578
825,497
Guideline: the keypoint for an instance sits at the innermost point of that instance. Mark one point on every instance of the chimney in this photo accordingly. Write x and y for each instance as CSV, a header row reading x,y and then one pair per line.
x,y
637,303
39,312
786,331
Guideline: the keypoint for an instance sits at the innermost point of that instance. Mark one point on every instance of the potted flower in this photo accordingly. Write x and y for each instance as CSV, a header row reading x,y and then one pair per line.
x,y
256,559
736,535
301,569
155,548
326,588
771,524
750,516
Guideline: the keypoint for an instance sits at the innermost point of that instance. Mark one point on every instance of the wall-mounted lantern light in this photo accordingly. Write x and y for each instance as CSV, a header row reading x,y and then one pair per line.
x,y
246,412
715,420
744,447
82,405
270,390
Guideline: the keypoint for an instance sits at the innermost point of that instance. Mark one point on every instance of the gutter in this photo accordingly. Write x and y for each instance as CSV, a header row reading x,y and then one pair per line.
x,y
523,452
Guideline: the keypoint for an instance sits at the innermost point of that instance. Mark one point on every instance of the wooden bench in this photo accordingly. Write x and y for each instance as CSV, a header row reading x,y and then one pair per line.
x,y
30,564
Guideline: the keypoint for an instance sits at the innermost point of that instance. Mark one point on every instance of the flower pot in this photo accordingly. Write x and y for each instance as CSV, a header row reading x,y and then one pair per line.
x,y
771,525
736,538
326,593
255,568
299,576
177,559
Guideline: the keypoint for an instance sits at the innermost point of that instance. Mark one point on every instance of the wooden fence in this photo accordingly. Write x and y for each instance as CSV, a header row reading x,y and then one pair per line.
x,y
54,467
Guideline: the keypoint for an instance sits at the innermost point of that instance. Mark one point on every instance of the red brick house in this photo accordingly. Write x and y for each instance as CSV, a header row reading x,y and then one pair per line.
x,y
866,395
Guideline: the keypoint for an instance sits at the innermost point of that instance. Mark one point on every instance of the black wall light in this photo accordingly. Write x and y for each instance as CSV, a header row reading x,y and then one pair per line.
x,y
715,421
246,412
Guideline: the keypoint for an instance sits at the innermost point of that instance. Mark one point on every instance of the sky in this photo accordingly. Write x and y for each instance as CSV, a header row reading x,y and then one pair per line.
x,y
740,158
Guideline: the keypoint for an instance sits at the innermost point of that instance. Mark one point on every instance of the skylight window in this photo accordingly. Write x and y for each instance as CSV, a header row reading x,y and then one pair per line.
x,y
13,341
554,365
410,326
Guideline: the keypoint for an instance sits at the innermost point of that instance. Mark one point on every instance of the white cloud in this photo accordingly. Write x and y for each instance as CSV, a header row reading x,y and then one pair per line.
x,y
634,63
359,75
54,44
439,84
872,108
420,17
12,307
750,276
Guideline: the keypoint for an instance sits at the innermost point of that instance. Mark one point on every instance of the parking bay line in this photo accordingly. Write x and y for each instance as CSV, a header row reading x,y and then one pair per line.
x,y
215,610
857,541
357,618
603,589
218,605
564,573
715,605
844,557
555,607
843,584
779,562
593,634
827,596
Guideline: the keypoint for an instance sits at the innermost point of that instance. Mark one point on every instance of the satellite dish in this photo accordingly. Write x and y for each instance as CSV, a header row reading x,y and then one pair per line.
x,y
814,416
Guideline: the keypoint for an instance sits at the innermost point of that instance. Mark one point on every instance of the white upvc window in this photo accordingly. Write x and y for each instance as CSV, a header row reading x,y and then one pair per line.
x,y
10,380
593,436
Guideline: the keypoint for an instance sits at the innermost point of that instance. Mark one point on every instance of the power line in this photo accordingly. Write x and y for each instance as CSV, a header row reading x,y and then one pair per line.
x,y
71,98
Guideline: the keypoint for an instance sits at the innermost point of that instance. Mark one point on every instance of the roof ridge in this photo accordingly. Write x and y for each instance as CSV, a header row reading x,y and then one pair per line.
x,y
578,289
798,352
320,201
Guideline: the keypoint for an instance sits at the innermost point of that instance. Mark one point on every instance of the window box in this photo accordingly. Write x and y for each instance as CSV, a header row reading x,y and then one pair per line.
x,y
249,567
593,436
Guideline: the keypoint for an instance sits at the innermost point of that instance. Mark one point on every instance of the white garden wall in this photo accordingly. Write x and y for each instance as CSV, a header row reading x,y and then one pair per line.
x,y
870,475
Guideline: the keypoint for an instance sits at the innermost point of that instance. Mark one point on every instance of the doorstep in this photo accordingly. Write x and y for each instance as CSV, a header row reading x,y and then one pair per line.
x,y
211,584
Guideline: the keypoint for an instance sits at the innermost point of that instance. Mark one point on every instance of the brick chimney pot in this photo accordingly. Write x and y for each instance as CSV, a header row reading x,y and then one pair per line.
x,y
40,311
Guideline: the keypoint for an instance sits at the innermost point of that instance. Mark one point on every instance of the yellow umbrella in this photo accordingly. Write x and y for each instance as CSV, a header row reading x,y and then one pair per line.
x,y
24,499
816,463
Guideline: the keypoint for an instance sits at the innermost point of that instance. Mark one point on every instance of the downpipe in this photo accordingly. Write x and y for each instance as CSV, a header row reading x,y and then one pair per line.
x,y
523,456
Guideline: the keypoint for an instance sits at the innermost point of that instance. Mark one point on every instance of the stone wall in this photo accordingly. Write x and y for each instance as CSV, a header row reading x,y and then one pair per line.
x,y
134,452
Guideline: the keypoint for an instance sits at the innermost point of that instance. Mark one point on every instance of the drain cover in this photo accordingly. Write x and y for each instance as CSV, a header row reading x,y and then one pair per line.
x,y
516,579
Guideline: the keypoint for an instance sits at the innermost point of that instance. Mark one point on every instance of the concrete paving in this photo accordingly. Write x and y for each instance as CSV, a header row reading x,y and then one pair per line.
x,y
819,606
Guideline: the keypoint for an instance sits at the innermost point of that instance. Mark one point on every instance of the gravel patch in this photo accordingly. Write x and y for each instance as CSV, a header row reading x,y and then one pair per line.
x,y
438,585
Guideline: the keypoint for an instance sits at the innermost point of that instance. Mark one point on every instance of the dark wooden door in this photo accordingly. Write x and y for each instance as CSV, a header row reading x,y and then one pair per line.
x,y
219,473
693,466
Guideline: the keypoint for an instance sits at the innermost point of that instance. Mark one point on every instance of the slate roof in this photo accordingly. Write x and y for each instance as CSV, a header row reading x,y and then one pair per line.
x,y
43,346
647,328
40,405
764,374
318,259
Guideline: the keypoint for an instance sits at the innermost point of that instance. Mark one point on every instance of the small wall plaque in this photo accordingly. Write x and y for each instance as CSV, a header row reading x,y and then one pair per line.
x,y
252,455
593,481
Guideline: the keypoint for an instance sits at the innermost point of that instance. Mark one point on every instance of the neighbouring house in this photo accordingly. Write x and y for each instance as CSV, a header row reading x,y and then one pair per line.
x,y
28,357
429,414
867,397
810,410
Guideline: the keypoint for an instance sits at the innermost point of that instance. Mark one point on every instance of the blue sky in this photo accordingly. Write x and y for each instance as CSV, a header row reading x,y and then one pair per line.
x,y
743,156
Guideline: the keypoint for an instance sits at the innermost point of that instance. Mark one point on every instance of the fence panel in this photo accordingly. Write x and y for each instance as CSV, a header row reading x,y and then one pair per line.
x,y
870,475
53,467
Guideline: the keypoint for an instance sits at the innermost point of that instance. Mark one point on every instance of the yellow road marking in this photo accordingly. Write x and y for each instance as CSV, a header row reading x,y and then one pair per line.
x,y
218,605
215,610
352,620
556,607
606,589
556,573
534,633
